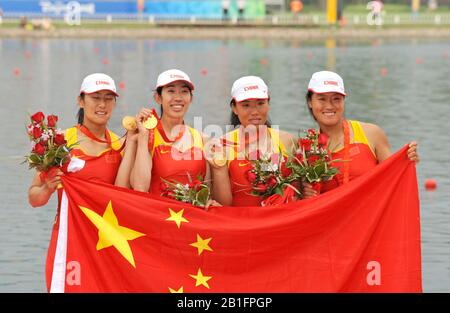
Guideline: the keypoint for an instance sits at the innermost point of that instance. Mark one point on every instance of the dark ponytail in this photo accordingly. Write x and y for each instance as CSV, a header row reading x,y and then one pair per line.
x,y
159,92
308,98
234,119
80,114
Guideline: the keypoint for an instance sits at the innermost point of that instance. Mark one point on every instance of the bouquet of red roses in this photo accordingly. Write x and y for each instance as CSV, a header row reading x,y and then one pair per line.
x,y
271,179
49,148
196,192
312,162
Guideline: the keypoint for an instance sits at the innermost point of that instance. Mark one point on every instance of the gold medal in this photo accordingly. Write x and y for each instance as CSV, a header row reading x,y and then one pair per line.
x,y
151,122
129,123
219,160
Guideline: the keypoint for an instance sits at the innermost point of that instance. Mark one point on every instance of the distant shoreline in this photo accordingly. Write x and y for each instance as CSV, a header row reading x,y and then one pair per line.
x,y
195,32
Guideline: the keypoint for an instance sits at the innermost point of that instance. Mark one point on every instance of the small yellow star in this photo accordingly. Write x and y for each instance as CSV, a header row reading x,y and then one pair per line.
x,y
177,217
200,279
176,291
201,244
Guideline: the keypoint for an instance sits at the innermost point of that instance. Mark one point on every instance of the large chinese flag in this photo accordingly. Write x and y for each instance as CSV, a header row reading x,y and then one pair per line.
x,y
361,237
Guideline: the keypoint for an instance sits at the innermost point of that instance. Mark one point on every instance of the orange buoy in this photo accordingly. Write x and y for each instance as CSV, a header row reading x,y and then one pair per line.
x,y
383,71
264,61
105,61
16,71
430,184
204,71
28,54
122,85
419,61
96,50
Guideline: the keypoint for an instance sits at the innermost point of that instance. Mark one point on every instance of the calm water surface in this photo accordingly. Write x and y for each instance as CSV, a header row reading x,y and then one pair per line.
x,y
410,101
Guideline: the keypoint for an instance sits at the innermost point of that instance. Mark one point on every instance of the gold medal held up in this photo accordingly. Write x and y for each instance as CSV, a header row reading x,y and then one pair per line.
x,y
129,123
219,160
151,122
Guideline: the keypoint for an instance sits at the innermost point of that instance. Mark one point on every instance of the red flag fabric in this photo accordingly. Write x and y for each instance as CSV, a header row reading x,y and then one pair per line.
x,y
361,237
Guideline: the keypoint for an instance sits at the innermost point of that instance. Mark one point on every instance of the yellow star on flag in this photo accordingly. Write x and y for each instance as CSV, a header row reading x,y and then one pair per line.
x,y
110,233
200,279
176,291
177,217
201,244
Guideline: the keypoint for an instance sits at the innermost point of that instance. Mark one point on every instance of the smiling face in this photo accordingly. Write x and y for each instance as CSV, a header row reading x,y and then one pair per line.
x,y
252,111
98,106
175,99
327,108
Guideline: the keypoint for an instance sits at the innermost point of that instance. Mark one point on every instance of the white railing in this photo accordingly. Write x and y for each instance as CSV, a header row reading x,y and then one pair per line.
x,y
269,20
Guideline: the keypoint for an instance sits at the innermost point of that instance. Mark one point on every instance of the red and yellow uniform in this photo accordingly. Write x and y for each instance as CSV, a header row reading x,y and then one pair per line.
x,y
172,164
361,158
102,168
238,166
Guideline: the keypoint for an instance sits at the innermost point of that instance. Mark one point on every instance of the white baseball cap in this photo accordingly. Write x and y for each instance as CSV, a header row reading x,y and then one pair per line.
x,y
96,82
171,76
326,81
249,87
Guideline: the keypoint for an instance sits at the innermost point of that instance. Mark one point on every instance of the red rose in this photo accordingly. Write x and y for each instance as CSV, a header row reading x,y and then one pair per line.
x,y
323,140
276,199
251,176
59,139
51,120
272,182
286,172
305,143
163,187
39,149
312,159
261,187
38,117
37,133
311,132
197,184
299,157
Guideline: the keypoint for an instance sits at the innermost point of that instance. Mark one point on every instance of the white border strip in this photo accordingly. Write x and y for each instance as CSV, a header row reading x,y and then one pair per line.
x,y
59,264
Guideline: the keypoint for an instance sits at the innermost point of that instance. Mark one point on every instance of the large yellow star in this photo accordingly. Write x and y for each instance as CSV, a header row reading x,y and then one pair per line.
x,y
176,291
200,279
177,217
110,233
201,244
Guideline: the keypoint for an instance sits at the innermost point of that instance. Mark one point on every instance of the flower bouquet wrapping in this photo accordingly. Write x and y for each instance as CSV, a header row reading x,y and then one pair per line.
x,y
49,150
196,192
271,179
312,162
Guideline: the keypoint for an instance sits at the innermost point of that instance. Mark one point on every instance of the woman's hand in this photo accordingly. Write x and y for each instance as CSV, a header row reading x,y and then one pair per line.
x,y
141,117
52,180
215,153
308,191
412,152
211,203
132,136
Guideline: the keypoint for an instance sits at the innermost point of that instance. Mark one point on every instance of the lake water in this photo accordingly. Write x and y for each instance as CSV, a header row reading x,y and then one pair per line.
x,y
401,85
